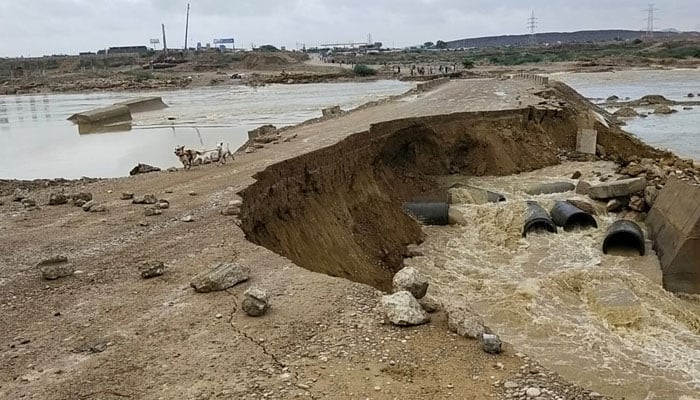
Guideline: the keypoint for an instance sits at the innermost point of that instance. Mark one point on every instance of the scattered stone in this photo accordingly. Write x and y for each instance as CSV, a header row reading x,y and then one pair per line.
x,y
533,392
20,194
576,175
79,199
222,276
510,385
402,309
255,302
55,267
98,208
583,187
193,193
465,322
491,343
150,211
624,187
584,206
612,98
143,169
56,199
233,208
163,204
143,223
615,205
146,199
410,280
430,304
650,195
29,203
151,269
172,169
88,205
690,95
127,196
188,218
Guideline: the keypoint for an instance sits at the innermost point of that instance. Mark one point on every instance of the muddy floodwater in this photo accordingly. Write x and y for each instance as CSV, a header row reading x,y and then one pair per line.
x,y
678,132
36,140
603,321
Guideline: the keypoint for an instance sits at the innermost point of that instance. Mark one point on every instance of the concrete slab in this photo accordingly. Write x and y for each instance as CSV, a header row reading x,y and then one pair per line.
x,y
621,188
674,222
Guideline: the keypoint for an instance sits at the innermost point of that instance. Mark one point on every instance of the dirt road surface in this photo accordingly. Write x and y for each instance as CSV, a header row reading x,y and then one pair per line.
x,y
105,333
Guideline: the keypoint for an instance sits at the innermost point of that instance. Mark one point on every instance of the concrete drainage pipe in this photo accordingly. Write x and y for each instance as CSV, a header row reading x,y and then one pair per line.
x,y
537,219
624,235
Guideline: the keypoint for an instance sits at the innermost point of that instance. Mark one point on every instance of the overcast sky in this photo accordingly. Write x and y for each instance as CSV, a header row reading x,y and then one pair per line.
x,y
37,27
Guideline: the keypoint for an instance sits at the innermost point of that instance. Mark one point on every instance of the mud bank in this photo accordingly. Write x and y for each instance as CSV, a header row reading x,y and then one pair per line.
x,y
338,211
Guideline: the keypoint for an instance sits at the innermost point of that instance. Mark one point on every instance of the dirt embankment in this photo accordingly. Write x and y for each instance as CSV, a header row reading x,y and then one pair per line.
x,y
338,210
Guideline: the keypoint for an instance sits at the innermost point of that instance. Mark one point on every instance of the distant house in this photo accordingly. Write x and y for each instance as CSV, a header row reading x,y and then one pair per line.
x,y
135,50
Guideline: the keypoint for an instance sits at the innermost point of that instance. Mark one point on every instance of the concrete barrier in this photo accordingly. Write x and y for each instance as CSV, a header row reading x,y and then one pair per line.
x,y
542,80
143,104
102,116
674,222
425,86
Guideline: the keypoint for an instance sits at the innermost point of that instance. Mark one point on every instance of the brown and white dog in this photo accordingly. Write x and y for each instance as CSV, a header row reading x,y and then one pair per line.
x,y
186,156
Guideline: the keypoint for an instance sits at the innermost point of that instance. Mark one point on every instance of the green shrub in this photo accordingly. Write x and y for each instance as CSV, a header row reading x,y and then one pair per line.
x,y
467,63
363,70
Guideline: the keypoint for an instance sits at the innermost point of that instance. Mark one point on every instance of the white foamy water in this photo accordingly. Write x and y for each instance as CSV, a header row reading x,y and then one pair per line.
x,y
546,293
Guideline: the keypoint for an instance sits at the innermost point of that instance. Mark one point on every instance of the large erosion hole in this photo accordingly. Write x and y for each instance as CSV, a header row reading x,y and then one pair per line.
x,y
338,210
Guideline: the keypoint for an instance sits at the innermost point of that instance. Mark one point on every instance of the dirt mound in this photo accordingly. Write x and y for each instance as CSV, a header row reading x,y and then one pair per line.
x,y
257,60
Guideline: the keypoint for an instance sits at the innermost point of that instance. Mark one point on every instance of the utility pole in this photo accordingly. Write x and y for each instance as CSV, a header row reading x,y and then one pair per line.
x,y
650,20
532,24
165,44
187,24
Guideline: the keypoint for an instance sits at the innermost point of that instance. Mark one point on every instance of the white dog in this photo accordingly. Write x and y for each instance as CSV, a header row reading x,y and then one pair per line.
x,y
223,151
206,157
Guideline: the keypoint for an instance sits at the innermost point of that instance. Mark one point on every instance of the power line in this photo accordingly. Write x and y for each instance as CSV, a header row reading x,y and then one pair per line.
x,y
532,24
650,20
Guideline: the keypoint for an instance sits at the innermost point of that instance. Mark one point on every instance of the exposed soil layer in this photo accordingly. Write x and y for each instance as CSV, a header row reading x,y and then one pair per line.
x,y
338,210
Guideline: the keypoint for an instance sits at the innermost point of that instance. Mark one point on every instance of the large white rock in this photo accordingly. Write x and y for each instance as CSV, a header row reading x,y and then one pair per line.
x,y
410,280
465,322
402,309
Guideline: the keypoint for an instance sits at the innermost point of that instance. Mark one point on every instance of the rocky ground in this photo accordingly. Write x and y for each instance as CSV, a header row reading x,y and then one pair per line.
x,y
102,331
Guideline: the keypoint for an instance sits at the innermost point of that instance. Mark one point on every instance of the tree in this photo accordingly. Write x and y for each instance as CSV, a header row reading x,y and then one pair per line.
x,y
440,45
363,70
428,45
268,48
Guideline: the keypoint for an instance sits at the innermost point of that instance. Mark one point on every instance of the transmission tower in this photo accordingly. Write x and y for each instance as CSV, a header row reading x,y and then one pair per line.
x,y
650,20
532,24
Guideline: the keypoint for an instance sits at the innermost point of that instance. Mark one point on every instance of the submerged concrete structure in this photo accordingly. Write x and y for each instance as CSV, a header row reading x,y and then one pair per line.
x,y
674,222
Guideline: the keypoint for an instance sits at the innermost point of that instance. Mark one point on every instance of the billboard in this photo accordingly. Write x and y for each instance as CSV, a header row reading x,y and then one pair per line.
x,y
223,41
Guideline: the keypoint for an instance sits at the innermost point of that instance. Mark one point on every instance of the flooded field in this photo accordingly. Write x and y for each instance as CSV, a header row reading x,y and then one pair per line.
x,y
36,140
602,321
677,132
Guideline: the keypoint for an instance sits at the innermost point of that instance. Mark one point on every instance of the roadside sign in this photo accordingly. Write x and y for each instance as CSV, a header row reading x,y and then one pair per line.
x,y
224,41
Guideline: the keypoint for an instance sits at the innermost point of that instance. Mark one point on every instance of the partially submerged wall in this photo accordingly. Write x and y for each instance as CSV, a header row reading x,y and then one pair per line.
x,y
674,222
337,210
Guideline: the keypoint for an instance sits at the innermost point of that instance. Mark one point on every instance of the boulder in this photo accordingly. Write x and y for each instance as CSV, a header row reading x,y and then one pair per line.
x,y
465,322
150,211
151,269
663,110
612,98
430,304
491,343
637,204
584,206
583,187
143,169
626,112
88,205
221,277
633,170
79,199
233,208
650,195
29,203
127,196
255,302
163,204
98,208
20,194
56,199
615,205
402,309
621,188
146,199
576,175
55,267
410,280
187,218
654,99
